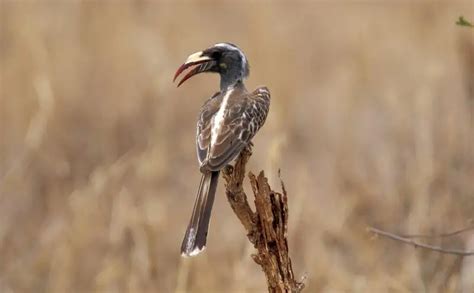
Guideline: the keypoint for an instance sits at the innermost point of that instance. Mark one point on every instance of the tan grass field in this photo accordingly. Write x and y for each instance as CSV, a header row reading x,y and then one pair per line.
x,y
371,123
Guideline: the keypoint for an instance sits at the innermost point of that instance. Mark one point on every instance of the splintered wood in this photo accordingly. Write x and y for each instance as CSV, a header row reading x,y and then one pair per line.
x,y
266,227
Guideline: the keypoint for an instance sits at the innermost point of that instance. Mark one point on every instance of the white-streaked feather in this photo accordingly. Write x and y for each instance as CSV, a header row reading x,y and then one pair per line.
x,y
218,119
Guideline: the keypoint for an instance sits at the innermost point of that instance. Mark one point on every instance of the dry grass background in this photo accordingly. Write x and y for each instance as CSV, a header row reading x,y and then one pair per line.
x,y
371,123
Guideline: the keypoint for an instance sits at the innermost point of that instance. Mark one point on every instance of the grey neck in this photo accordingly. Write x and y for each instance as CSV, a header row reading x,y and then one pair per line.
x,y
232,76
225,86
230,83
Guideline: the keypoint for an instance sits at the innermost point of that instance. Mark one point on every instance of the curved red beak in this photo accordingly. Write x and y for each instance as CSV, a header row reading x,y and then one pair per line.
x,y
201,63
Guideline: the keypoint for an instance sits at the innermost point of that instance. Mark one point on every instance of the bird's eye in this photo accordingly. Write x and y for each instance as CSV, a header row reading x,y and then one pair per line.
x,y
216,55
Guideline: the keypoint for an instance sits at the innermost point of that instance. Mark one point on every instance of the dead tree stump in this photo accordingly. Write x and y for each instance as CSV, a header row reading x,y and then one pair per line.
x,y
267,227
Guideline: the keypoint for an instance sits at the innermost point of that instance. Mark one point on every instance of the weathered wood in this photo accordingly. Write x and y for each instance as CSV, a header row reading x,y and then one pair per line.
x,y
267,227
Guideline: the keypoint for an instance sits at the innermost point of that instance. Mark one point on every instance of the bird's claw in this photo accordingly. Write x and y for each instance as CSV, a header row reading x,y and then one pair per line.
x,y
228,169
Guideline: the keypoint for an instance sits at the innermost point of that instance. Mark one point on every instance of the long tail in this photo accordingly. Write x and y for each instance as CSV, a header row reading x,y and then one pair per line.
x,y
195,238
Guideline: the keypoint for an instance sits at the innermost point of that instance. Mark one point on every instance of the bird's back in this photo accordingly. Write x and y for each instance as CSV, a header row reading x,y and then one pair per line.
x,y
227,123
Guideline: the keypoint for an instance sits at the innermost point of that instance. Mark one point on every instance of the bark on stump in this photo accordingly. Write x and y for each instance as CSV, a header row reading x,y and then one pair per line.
x,y
267,227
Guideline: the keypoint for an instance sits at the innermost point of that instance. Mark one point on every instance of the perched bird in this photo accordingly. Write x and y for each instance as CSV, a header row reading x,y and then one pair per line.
x,y
226,124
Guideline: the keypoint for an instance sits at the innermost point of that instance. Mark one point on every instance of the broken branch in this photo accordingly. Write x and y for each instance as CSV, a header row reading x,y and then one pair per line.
x,y
267,227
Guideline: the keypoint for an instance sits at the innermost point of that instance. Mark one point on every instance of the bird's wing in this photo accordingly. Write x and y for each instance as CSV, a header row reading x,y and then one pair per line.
x,y
203,135
242,120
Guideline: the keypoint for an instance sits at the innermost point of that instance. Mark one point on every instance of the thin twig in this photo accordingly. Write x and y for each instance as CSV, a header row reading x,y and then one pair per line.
x,y
441,235
416,244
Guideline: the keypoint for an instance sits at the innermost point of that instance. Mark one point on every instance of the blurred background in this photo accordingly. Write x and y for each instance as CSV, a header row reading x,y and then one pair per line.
x,y
371,123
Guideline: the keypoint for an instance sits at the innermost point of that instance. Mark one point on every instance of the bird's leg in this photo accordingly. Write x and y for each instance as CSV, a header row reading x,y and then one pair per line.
x,y
247,151
244,155
228,170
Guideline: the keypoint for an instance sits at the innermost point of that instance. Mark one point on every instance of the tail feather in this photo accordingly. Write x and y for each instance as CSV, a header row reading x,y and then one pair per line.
x,y
195,238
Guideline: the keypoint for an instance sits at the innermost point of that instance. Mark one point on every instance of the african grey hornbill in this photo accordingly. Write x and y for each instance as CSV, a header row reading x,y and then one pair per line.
x,y
226,124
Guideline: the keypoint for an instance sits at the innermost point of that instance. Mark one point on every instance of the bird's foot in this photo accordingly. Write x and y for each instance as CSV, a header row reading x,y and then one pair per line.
x,y
248,147
228,169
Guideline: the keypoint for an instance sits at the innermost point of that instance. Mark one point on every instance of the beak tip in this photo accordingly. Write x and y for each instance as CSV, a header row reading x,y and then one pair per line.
x,y
175,76
193,59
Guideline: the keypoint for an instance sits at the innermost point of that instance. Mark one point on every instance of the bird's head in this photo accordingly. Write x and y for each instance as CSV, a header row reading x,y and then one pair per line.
x,y
223,58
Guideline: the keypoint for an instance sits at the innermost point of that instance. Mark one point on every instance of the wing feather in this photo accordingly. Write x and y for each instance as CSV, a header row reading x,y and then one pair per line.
x,y
241,122
203,135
